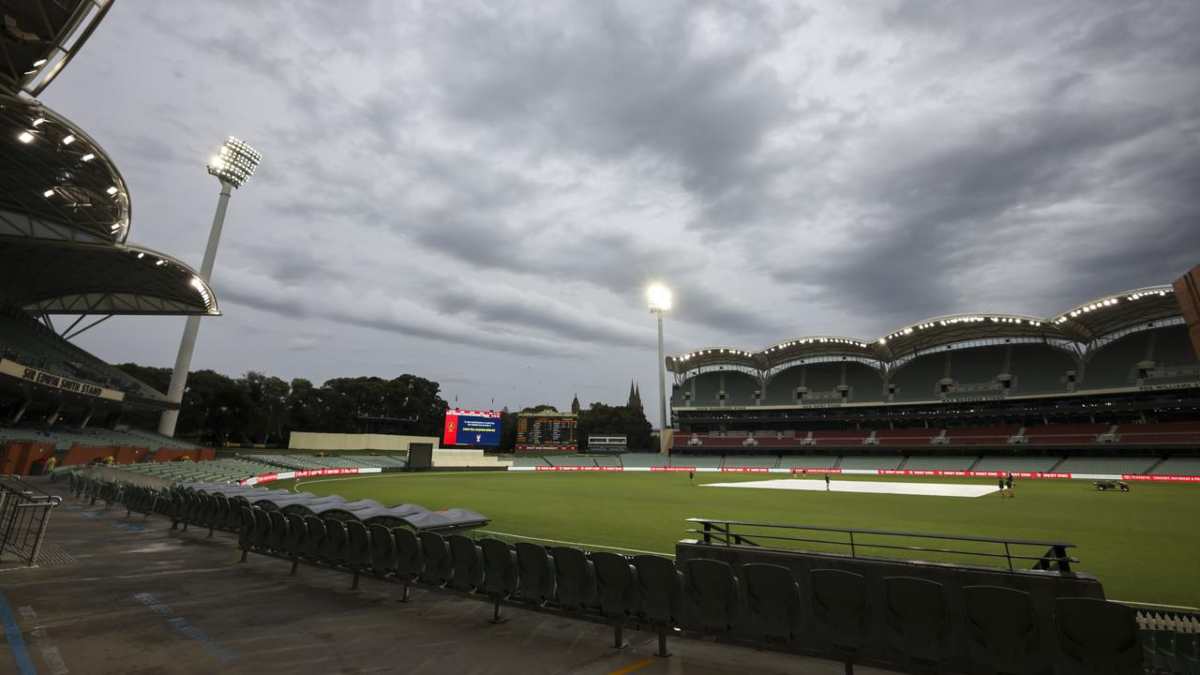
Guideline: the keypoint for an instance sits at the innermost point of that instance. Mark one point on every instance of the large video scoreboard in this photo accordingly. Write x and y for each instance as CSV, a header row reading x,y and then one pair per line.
x,y
477,428
546,431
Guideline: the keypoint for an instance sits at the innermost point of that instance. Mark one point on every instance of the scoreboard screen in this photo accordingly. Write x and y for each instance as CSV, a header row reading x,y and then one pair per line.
x,y
541,432
472,427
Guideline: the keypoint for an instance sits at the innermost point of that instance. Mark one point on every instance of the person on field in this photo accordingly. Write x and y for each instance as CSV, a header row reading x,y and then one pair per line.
x,y
691,476
1009,484
1000,484
827,482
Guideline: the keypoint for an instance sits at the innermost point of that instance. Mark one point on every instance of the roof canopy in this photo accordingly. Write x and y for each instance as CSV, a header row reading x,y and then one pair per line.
x,y
55,181
38,39
1083,325
77,278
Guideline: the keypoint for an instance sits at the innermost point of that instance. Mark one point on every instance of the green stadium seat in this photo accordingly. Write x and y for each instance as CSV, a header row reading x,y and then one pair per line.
x,y
616,590
294,541
501,575
535,570
1002,631
246,531
772,602
467,559
315,541
840,611
438,565
1097,637
575,577
383,550
711,595
358,545
917,621
660,589
261,530
335,547
277,535
410,560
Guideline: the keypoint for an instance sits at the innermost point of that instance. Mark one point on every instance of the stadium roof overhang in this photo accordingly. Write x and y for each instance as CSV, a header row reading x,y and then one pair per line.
x,y
76,278
55,181
1118,313
716,357
823,347
1084,327
38,39
952,329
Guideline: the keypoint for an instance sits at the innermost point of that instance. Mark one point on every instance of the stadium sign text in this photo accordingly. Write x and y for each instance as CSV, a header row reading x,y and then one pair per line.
x,y
45,379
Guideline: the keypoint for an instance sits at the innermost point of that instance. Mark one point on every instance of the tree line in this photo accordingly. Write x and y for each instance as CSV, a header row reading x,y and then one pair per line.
x,y
263,409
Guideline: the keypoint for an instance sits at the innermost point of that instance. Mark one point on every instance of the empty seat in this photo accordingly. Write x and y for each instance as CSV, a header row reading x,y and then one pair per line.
x,y
660,592
1096,637
410,559
575,577
916,619
711,595
467,559
435,552
297,530
500,572
535,570
840,612
772,601
335,546
383,549
616,590
316,537
278,530
358,548
1002,631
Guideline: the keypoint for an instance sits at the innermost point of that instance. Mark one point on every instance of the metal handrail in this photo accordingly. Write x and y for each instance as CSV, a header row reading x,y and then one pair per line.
x,y
722,532
22,531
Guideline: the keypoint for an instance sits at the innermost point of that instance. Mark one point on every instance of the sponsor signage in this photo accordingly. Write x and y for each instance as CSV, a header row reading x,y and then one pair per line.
x,y
307,473
1161,478
46,379
815,469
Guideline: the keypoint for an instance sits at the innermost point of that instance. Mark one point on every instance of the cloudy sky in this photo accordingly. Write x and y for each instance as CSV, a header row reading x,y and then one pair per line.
x,y
479,192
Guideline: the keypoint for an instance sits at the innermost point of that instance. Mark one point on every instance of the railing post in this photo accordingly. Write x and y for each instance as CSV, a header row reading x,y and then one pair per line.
x,y
1008,556
853,554
707,532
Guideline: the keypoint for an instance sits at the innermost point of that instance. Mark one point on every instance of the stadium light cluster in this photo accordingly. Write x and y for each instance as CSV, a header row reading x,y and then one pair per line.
x,y
658,297
235,162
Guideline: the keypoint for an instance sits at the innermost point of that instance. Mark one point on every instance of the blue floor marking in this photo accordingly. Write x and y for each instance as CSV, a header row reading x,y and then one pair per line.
x,y
16,642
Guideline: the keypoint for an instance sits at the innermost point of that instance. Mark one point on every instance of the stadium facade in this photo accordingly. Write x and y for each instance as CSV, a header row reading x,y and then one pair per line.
x,y
1124,357
66,263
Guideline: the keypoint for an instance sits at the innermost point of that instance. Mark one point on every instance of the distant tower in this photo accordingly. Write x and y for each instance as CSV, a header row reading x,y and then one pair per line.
x,y
575,405
635,397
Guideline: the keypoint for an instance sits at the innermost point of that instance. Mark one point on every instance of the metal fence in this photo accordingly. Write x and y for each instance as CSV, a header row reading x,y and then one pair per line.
x,y
1013,553
24,517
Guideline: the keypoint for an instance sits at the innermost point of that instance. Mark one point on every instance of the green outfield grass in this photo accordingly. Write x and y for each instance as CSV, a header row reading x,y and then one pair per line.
x,y
1144,546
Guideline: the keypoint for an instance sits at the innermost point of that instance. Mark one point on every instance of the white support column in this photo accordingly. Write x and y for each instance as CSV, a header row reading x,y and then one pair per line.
x,y
183,362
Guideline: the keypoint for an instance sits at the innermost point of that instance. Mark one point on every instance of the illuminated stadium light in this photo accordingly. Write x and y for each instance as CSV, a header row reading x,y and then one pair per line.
x,y
25,137
658,297
48,193
39,63
112,190
39,122
235,163
88,157
68,139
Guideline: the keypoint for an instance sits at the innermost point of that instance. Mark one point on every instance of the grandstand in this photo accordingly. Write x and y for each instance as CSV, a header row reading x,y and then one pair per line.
x,y
1117,373
65,221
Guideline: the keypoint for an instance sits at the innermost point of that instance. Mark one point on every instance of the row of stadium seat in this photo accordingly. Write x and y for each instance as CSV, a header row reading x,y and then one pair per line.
x,y
26,341
1079,465
302,462
755,603
64,438
1173,433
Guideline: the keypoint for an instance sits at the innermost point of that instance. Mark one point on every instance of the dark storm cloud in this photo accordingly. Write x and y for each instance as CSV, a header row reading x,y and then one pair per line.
x,y
464,182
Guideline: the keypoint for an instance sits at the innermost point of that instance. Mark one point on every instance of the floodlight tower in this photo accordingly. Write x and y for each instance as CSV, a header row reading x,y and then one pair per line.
x,y
232,166
658,297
